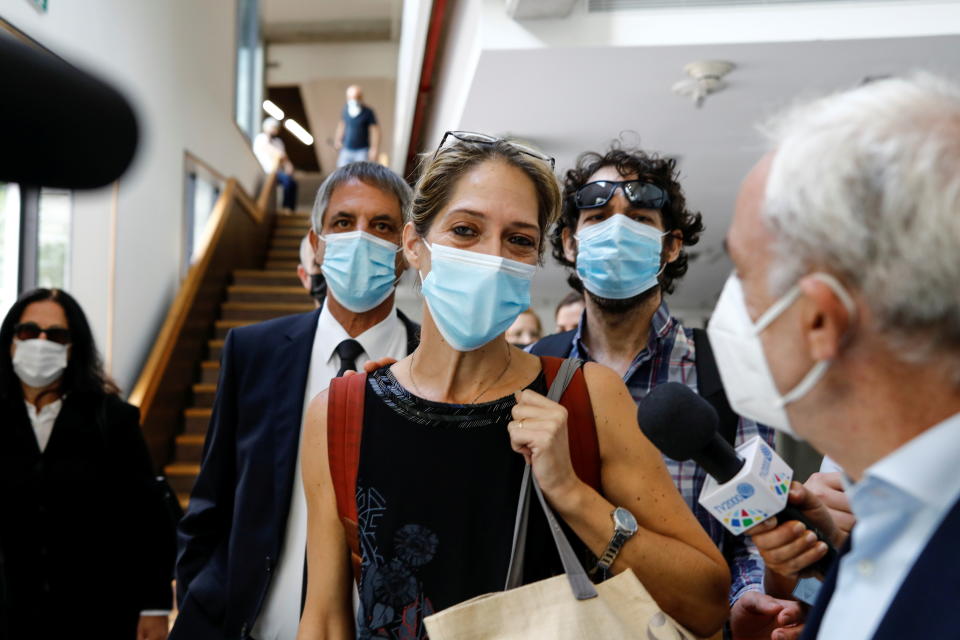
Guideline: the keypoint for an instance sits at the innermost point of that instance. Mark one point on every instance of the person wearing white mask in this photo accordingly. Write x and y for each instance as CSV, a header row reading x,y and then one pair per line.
x,y
842,322
240,572
442,435
623,233
87,544
358,134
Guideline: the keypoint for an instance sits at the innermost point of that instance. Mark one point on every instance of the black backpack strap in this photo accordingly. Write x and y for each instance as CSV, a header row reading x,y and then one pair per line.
x,y
559,345
711,387
413,331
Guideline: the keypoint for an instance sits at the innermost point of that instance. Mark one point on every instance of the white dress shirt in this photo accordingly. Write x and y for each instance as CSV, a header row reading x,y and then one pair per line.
x,y
42,421
280,615
899,504
267,150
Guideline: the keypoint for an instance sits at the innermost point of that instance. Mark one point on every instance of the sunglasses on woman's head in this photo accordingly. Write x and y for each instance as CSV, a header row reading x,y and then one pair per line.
x,y
482,138
32,331
642,195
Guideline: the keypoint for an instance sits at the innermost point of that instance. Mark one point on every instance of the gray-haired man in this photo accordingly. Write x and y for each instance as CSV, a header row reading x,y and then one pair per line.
x,y
240,569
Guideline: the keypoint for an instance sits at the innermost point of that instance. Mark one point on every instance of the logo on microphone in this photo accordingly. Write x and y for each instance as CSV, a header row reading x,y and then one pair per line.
x,y
781,484
742,519
745,490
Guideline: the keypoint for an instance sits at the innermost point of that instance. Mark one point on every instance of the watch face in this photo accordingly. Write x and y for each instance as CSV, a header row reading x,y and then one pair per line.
x,y
624,520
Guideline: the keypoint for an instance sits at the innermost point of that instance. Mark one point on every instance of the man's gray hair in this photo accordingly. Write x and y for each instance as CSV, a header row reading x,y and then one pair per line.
x,y
369,173
866,184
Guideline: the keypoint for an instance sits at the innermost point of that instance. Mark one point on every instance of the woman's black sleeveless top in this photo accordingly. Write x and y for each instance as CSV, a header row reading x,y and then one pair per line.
x,y
437,492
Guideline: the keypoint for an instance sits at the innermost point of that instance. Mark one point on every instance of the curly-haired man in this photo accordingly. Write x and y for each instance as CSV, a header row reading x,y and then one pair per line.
x,y
623,232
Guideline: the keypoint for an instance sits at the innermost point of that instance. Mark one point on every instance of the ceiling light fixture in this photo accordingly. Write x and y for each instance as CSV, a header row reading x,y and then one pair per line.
x,y
706,77
302,134
273,110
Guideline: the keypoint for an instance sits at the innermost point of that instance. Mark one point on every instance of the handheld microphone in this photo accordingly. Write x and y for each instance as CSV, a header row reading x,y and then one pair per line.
x,y
746,485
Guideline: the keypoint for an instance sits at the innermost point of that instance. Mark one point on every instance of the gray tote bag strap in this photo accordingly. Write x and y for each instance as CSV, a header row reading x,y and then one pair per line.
x,y
581,585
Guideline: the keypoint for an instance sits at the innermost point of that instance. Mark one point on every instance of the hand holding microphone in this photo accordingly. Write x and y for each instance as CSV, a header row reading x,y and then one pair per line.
x,y
747,486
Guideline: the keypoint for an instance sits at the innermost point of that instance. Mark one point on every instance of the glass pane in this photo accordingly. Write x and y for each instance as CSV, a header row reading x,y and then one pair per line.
x,y
205,194
249,66
53,239
9,245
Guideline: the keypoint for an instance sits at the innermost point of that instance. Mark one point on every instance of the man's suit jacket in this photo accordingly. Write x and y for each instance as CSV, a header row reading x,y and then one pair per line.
x,y
927,601
230,538
85,539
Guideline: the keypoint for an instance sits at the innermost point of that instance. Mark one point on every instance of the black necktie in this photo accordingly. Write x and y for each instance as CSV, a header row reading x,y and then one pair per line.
x,y
348,350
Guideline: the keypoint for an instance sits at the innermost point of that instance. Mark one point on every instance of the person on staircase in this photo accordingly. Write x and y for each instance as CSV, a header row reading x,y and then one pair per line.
x,y
242,543
272,154
622,233
444,434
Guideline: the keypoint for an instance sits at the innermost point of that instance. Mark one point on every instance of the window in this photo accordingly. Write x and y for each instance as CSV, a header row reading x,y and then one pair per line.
x,y
9,245
53,239
249,67
202,187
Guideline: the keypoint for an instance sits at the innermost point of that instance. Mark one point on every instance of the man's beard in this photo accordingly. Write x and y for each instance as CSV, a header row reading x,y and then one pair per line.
x,y
617,306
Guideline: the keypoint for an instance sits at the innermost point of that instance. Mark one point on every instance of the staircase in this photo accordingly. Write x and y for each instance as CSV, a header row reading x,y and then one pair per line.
x,y
253,296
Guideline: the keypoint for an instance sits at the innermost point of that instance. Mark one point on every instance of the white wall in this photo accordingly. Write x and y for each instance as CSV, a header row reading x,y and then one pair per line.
x,y
294,63
175,60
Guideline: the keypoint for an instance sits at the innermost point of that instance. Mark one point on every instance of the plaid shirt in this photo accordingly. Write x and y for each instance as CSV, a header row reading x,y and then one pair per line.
x,y
670,356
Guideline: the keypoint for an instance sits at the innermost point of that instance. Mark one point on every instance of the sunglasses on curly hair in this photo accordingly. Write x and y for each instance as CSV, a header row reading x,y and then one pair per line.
x,y
482,138
640,194
32,331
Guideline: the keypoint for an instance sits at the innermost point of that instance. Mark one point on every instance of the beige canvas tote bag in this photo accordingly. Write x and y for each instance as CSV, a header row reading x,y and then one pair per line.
x,y
565,607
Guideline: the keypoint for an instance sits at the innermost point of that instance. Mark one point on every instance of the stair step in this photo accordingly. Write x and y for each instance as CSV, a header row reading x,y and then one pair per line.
x,y
261,310
221,327
290,232
286,243
264,278
181,476
197,420
189,448
298,219
276,255
246,293
210,371
203,394
214,349
289,266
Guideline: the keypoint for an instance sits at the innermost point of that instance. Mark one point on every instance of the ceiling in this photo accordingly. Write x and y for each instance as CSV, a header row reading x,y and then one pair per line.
x,y
568,100
296,21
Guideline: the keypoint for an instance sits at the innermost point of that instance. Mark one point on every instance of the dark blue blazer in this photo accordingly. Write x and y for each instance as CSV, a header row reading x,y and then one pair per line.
x,y
230,537
926,603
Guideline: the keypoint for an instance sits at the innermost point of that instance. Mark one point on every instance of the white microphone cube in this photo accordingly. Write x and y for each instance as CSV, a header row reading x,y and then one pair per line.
x,y
757,492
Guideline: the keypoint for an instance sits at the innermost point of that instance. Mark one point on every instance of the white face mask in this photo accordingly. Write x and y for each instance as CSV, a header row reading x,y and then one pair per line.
x,y
353,108
39,362
743,367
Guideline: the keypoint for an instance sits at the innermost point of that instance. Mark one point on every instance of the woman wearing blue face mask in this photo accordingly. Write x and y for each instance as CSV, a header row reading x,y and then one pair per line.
x,y
87,544
445,433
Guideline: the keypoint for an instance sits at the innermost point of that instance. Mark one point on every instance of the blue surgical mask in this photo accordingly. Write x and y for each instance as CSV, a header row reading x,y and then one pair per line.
x,y
360,269
619,257
474,297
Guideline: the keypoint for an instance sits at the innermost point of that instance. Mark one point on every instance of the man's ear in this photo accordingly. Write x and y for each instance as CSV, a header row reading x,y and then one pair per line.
x,y
303,276
315,245
673,243
826,319
411,245
569,245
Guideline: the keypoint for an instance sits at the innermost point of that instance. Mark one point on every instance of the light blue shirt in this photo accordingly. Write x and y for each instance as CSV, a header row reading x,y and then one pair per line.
x,y
899,504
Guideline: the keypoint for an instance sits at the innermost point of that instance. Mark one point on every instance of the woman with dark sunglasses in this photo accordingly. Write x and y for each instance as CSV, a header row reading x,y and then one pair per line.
x,y
87,544
446,431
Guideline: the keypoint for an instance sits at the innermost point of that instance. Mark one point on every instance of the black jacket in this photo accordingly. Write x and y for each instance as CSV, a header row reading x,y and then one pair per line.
x,y
86,541
230,539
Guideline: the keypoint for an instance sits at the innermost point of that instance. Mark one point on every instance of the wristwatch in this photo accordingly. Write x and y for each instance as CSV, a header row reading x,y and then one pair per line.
x,y
624,527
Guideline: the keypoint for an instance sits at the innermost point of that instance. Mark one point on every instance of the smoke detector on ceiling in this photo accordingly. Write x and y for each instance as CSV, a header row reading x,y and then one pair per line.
x,y
706,77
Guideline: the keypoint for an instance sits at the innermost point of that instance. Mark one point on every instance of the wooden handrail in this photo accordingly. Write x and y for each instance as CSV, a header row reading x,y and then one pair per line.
x,y
173,349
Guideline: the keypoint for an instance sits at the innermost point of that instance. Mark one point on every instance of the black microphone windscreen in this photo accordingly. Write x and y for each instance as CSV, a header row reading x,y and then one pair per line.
x,y
62,126
677,420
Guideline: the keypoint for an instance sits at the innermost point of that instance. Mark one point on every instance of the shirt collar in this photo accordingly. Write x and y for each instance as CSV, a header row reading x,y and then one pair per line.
x,y
921,468
375,340
661,326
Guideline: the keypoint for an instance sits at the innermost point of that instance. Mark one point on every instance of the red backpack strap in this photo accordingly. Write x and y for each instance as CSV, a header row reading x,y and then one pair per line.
x,y
581,429
344,433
